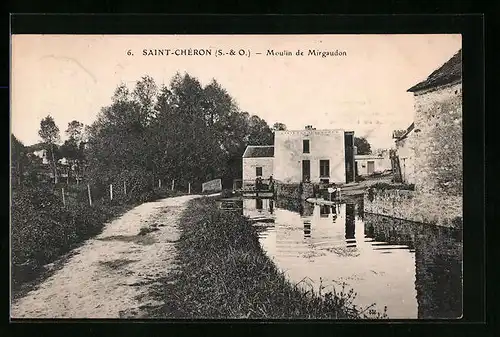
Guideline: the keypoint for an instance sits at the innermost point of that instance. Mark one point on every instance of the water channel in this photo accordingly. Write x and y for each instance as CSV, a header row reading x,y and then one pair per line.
x,y
413,269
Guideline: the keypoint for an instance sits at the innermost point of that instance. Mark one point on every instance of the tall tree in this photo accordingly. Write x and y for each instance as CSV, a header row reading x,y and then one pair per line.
x,y
259,132
49,132
278,126
362,145
75,131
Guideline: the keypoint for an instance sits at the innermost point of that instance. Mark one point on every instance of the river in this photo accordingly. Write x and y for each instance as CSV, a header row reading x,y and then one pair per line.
x,y
413,269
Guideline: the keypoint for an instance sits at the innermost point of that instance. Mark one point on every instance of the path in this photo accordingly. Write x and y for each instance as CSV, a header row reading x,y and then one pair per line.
x,y
110,275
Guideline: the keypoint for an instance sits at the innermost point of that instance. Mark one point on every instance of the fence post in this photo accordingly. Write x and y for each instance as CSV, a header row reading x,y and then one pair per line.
x,y
189,188
111,191
90,196
124,187
63,197
173,184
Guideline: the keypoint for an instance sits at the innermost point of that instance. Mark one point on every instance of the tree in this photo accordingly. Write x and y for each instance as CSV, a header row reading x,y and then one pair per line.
x,y
17,159
49,132
362,145
279,126
75,131
259,132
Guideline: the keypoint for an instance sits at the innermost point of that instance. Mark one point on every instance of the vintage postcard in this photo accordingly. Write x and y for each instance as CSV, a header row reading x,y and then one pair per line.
x,y
236,176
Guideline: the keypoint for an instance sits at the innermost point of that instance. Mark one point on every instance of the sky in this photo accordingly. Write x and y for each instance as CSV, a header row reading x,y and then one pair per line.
x,y
72,76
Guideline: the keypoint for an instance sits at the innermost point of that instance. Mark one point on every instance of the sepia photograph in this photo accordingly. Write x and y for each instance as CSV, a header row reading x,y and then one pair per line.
x,y
270,177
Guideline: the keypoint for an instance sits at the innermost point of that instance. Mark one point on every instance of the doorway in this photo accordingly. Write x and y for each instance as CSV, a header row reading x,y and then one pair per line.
x,y
370,167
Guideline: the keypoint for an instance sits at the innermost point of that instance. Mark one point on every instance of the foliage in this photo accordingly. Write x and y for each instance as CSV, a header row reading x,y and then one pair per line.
x,y
278,126
385,186
183,132
49,132
223,272
362,145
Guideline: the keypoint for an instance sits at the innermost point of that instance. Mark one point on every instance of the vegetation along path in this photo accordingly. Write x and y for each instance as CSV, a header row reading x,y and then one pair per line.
x,y
110,275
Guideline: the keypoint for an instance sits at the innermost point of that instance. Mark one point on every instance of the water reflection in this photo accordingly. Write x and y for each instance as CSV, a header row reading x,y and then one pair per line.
x,y
413,269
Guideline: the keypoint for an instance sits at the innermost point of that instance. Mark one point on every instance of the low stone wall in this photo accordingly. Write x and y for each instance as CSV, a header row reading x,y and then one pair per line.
x,y
413,206
294,191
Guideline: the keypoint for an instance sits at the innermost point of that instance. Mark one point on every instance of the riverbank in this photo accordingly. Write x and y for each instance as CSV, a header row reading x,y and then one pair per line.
x,y
222,272
44,232
110,275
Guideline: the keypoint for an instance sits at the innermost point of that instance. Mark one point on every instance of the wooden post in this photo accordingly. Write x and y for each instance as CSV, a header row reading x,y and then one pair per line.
x,y
173,184
111,191
90,196
63,197
189,188
124,187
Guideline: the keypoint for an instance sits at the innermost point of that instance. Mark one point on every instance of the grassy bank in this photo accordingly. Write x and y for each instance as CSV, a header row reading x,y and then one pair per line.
x,y
43,229
224,273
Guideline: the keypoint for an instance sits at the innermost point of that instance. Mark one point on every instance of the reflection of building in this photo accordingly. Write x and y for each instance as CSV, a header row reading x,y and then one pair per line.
x,y
324,211
438,262
350,223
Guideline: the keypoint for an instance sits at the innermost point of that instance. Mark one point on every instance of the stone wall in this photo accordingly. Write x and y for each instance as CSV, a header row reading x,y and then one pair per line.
x,y
294,191
437,145
415,206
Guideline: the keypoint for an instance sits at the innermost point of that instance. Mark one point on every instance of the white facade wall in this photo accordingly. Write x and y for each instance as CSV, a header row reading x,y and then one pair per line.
x,y
250,164
323,145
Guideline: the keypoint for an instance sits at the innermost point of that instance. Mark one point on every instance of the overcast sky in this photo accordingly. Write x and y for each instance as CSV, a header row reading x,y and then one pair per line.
x,y
72,77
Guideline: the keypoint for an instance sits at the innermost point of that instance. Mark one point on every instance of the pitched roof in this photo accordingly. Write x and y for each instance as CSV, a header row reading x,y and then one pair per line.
x,y
449,72
262,151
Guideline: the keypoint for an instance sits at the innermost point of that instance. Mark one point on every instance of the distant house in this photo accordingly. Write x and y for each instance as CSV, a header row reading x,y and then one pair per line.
x,y
368,164
437,131
40,151
257,162
405,150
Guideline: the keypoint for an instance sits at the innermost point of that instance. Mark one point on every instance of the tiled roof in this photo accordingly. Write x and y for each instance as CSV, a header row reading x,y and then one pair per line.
x,y
258,151
449,72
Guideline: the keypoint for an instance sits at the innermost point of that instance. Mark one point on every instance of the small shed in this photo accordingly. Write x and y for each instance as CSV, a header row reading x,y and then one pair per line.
x,y
258,161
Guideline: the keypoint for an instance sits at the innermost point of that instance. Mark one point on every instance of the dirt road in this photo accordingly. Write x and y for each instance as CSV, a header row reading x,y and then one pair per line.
x,y
110,275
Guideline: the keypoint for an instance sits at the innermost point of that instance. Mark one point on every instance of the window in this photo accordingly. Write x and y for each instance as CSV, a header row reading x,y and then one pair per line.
x,y
324,168
305,145
258,171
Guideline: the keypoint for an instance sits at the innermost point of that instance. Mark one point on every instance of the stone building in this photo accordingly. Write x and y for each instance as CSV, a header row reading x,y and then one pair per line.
x,y
437,148
434,146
